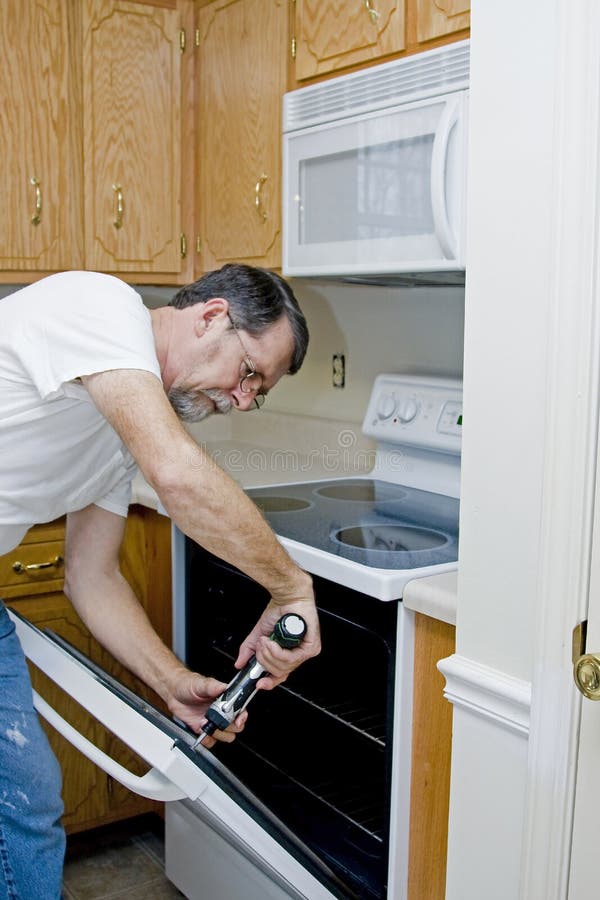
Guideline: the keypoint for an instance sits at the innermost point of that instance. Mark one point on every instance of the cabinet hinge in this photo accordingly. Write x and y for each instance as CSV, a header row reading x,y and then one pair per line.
x,y
293,41
182,245
182,39
197,37
198,244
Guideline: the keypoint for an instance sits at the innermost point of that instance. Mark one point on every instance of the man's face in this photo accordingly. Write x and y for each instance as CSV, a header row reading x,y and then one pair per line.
x,y
209,375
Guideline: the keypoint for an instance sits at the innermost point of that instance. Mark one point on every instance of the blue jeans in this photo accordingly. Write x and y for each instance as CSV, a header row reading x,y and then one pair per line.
x,y
32,841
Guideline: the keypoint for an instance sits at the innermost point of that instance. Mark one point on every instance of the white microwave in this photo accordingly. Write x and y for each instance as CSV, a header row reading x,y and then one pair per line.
x,y
374,169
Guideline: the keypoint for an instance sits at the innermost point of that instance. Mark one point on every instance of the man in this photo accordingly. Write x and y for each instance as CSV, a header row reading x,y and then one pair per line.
x,y
92,384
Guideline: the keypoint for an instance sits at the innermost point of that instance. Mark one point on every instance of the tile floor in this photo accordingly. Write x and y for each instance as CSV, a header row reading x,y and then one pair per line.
x,y
124,861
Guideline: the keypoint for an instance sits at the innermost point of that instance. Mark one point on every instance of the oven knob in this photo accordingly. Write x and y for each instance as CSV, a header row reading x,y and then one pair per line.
x,y
407,410
386,406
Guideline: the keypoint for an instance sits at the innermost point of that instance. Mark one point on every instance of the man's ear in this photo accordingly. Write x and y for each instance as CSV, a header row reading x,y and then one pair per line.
x,y
210,313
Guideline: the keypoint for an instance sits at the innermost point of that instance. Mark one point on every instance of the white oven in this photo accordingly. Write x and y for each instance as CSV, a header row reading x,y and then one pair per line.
x,y
312,801
328,753
374,170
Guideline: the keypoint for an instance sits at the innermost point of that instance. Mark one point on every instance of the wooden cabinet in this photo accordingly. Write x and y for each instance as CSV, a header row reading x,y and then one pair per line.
x,y
241,78
40,160
333,35
90,796
431,752
133,56
95,159
439,18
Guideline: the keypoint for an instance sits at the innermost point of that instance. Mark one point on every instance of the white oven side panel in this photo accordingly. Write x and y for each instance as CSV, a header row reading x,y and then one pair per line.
x,y
225,855
202,862
178,592
402,754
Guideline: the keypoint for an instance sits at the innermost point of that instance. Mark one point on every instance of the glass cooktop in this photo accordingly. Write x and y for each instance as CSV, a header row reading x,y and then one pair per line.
x,y
364,520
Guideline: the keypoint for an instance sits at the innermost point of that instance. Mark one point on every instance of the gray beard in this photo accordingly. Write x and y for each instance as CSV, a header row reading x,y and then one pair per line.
x,y
193,406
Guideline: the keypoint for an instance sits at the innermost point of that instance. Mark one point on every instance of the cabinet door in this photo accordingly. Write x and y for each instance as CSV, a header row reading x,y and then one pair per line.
x,y
92,798
430,771
88,795
132,74
40,225
333,34
241,81
437,18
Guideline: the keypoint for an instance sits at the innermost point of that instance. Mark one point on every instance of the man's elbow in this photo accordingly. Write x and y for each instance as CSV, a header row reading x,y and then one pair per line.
x,y
177,481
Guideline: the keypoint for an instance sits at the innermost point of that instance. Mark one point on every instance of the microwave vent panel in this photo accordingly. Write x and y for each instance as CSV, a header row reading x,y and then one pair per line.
x,y
405,80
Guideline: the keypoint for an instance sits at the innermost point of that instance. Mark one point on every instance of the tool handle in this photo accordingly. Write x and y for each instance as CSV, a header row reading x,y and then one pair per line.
x,y
289,632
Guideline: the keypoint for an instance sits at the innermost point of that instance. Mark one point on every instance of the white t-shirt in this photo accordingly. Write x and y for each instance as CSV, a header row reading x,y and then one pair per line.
x,y
57,453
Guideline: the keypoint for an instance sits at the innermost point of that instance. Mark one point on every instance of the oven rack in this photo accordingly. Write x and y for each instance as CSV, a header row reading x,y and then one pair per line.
x,y
356,807
370,725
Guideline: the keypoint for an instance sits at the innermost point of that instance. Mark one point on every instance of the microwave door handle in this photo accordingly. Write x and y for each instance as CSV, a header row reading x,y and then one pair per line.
x,y
439,155
153,784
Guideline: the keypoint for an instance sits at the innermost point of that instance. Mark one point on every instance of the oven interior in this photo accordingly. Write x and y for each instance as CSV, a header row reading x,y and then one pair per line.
x,y
317,750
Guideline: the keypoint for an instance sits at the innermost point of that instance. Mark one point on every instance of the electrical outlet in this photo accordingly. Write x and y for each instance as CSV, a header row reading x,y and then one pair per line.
x,y
338,371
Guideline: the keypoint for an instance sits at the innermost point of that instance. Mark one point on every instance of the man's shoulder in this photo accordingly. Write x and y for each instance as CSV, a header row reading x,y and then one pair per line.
x,y
85,283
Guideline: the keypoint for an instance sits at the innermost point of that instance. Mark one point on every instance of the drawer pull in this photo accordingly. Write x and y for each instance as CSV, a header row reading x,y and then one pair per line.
x,y
37,216
35,567
258,198
118,221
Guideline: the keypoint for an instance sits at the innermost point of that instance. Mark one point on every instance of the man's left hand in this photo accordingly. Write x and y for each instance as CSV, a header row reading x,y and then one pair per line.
x,y
190,697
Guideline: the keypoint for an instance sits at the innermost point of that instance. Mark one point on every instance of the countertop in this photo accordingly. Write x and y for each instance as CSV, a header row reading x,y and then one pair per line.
x,y
280,449
434,596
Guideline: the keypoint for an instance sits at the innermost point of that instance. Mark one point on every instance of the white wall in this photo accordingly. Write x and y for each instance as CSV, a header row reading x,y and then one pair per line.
x,y
531,395
506,330
378,329
507,317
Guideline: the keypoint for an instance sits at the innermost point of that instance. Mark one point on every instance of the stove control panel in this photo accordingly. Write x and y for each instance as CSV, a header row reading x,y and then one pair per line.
x,y
418,410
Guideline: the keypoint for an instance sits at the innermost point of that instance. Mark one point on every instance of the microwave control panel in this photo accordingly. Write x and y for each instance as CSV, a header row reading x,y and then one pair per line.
x,y
417,410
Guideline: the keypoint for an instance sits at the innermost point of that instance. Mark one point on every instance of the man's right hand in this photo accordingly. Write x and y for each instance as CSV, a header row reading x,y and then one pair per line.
x,y
275,659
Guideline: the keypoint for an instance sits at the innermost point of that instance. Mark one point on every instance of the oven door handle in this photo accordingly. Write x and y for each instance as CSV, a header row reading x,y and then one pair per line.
x,y
172,774
153,785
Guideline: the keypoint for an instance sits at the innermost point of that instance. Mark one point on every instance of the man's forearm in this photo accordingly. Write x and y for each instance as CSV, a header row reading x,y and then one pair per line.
x,y
115,617
199,496
208,506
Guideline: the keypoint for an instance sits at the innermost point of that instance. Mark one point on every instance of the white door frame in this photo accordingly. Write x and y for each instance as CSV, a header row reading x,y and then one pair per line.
x,y
561,311
573,379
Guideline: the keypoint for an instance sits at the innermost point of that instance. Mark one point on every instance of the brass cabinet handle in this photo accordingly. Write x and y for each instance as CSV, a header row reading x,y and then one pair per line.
x,y
118,222
373,14
56,563
37,216
257,197
586,672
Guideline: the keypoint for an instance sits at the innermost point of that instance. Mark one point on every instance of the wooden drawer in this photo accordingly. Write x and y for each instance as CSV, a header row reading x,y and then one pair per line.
x,y
32,568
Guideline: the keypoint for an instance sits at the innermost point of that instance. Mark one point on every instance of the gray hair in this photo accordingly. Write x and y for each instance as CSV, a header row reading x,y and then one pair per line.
x,y
257,298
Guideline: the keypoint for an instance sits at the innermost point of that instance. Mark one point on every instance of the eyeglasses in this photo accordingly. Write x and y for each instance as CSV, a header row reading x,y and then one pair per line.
x,y
252,381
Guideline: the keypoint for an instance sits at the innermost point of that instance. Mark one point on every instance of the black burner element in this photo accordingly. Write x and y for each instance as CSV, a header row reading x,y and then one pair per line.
x,y
365,520
394,538
361,490
271,503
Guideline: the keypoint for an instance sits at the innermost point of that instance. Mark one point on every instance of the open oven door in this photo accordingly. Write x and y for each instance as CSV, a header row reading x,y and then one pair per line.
x,y
177,772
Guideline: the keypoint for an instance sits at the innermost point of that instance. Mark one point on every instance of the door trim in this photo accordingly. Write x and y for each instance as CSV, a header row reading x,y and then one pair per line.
x,y
573,378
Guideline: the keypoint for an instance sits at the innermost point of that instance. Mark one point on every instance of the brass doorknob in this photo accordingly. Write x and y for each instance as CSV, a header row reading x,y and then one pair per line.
x,y
586,672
